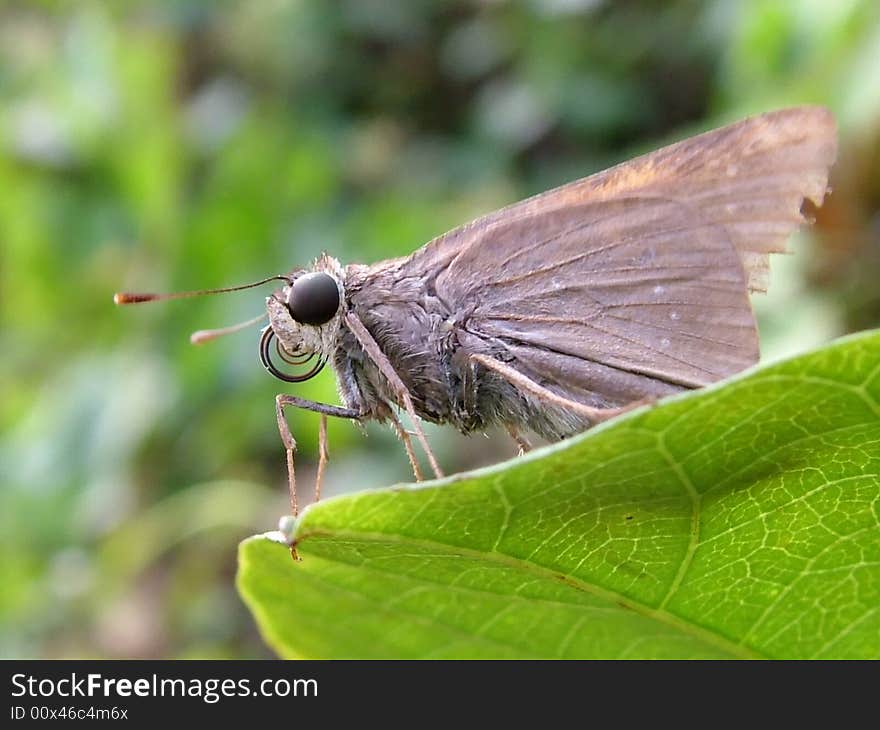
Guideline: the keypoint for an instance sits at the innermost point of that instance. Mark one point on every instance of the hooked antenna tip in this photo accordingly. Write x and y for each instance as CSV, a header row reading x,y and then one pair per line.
x,y
122,297
201,337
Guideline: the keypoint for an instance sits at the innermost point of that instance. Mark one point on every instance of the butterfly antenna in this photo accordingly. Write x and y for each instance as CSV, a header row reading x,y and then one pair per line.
x,y
200,337
123,297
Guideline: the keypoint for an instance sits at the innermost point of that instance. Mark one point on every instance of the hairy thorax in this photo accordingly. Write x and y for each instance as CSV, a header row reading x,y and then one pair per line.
x,y
407,323
428,346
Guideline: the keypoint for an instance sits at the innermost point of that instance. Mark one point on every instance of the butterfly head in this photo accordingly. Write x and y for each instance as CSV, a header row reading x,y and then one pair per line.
x,y
304,319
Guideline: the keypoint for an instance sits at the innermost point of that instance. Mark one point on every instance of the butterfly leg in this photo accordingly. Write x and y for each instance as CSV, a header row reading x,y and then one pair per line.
x,y
290,447
323,456
359,330
407,444
526,384
281,401
522,443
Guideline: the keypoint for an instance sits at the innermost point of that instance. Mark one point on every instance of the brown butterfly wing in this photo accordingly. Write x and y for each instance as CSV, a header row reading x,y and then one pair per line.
x,y
638,284
641,271
751,177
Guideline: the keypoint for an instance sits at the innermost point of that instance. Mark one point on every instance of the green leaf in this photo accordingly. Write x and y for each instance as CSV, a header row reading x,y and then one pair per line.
x,y
742,520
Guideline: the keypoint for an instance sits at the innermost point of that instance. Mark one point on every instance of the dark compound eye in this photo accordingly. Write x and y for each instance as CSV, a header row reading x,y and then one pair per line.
x,y
313,298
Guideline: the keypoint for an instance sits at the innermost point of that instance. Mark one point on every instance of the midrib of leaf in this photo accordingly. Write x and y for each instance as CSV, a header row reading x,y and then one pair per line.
x,y
686,627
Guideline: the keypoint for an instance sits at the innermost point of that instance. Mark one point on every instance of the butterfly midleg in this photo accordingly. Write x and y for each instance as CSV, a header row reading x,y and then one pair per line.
x,y
359,330
282,400
323,456
516,378
522,443
407,444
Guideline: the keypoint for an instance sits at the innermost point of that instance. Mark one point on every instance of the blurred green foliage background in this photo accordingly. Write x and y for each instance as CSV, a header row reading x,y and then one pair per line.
x,y
188,144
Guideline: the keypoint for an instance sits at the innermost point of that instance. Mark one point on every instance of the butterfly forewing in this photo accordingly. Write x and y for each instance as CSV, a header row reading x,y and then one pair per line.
x,y
636,284
752,177
641,271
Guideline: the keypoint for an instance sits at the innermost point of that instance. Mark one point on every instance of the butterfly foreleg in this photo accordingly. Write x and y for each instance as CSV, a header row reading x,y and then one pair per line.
x,y
281,401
